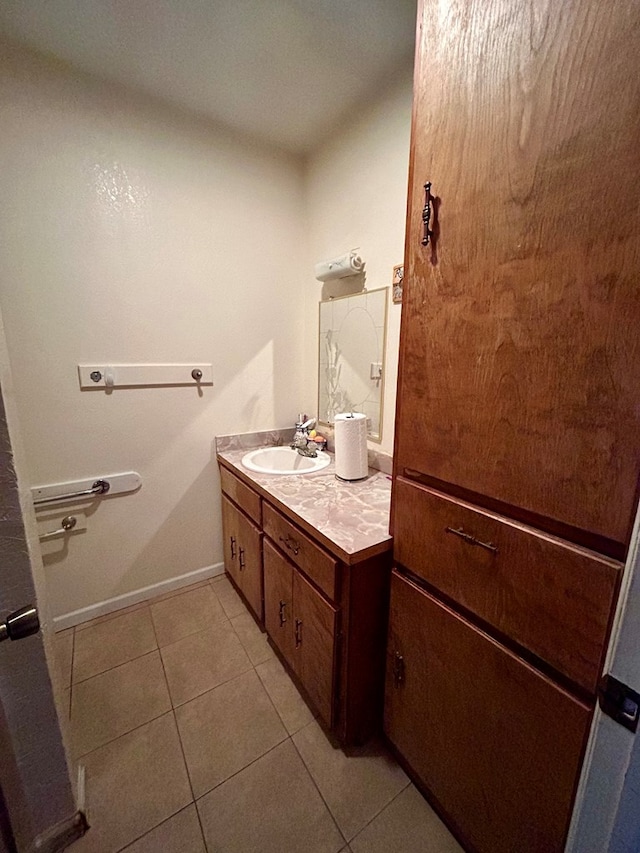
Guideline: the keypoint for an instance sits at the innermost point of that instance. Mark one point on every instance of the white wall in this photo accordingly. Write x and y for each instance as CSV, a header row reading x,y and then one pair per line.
x,y
356,195
131,233
134,233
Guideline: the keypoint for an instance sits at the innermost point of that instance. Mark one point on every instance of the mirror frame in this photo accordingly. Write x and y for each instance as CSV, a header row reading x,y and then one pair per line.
x,y
377,438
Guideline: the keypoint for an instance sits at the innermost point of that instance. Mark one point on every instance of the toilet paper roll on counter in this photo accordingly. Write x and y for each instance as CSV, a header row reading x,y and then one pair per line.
x,y
351,446
349,264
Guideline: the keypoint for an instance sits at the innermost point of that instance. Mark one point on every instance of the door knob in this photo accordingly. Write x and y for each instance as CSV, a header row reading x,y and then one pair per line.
x,y
21,623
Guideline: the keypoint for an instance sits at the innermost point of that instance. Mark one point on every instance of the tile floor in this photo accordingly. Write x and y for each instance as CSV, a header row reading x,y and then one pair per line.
x,y
195,740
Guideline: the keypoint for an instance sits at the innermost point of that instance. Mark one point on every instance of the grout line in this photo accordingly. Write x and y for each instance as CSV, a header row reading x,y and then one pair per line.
x,y
315,784
241,769
175,722
123,734
392,800
144,834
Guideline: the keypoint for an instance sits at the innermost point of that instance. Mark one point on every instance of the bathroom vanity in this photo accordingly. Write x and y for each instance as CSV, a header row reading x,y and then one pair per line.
x,y
311,556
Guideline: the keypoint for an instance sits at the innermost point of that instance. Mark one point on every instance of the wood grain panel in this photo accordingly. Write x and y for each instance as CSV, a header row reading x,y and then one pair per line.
x,y
553,598
241,494
314,652
230,539
520,353
278,600
250,564
495,743
320,566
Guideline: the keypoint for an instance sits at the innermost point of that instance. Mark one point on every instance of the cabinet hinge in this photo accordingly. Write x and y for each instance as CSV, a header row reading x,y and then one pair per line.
x,y
398,669
619,702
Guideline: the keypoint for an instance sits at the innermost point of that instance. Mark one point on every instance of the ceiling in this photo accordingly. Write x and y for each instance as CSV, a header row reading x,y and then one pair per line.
x,y
284,71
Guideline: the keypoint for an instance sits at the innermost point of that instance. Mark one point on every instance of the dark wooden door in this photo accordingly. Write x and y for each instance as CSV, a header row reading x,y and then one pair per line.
x,y
496,743
278,600
250,563
520,352
315,645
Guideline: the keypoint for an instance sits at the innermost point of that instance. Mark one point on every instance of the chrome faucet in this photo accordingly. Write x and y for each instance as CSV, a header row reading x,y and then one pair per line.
x,y
301,442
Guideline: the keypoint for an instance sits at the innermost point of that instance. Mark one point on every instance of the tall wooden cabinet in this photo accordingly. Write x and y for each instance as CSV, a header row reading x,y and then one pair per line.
x,y
518,421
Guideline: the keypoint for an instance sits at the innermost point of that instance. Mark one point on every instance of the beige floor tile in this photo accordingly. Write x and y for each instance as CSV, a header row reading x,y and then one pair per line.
x,y
180,834
63,656
270,807
185,614
117,701
252,638
179,591
293,710
355,787
406,825
228,597
111,643
202,661
140,605
133,784
227,728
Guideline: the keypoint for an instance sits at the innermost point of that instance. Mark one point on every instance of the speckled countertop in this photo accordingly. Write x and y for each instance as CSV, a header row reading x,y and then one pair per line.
x,y
351,519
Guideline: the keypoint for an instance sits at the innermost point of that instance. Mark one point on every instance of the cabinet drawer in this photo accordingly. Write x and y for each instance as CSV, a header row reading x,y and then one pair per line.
x,y
497,744
551,597
314,562
242,495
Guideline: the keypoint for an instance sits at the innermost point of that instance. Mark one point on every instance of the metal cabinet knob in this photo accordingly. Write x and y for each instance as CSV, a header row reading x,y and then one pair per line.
x,y
196,374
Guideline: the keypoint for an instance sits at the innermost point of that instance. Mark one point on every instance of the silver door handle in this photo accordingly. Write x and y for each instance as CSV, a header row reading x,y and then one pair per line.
x,y
21,623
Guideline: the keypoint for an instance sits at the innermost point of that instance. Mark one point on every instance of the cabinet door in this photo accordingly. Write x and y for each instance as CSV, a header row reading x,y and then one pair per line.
x,y
278,600
315,644
520,356
497,744
250,563
230,536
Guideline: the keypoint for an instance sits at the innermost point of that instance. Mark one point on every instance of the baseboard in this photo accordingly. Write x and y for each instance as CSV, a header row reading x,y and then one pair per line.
x,y
101,608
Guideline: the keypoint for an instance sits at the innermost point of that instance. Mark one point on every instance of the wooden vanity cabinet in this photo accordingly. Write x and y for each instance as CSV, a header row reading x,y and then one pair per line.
x,y
304,628
325,613
243,554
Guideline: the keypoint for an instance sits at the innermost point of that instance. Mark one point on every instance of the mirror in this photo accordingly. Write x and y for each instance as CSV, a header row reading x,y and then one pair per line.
x,y
351,357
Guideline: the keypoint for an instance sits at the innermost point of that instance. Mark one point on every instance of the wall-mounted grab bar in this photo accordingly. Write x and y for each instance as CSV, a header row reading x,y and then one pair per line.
x,y
100,487
94,487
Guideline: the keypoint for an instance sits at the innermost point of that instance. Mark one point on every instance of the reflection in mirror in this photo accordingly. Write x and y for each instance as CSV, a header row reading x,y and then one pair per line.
x,y
351,357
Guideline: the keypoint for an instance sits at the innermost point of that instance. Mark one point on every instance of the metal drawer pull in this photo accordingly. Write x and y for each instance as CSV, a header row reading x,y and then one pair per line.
x,y
298,633
283,604
241,558
290,544
398,669
426,215
233,547
471,540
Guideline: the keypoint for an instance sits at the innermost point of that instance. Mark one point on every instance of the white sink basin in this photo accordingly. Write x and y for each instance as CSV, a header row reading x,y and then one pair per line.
x,y
283,460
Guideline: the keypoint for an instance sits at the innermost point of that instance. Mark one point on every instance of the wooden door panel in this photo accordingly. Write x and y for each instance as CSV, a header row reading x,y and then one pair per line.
x,y
278,600
230,537
315,645
520,357
497,744
250,564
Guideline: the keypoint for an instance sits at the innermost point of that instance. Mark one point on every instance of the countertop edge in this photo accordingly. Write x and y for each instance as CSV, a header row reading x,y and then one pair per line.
x,y
349,558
